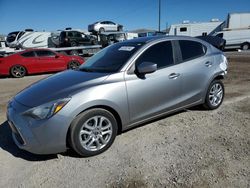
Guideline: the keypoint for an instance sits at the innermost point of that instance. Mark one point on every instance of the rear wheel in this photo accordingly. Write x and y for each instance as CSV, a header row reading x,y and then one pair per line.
x,y
18,71
215,95
245,46
101,30
93,132
73,65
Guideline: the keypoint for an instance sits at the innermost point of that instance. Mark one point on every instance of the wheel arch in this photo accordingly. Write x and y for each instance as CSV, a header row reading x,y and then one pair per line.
x,y
245,43
218,76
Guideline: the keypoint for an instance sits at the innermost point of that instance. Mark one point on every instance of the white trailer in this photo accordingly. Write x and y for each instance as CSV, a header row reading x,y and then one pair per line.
x,y
194,29
28,39
236,31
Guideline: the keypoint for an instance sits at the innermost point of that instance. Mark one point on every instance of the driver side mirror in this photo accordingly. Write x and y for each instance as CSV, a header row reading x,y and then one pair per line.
x,y
146,68
57,56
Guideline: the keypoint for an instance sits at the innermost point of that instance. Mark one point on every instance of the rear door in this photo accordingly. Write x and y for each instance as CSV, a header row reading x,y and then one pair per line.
x,y
196,69
49,61
156,92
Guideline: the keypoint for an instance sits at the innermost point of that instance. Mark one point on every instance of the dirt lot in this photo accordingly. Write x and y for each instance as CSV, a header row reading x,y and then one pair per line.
x,y
193,148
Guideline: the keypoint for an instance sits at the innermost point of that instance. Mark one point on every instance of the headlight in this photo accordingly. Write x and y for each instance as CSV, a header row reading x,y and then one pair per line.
x,y
47,110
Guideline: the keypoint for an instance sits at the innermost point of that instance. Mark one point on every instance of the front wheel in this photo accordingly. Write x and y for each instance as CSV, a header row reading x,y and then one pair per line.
x,y
18,71
93,132
215,95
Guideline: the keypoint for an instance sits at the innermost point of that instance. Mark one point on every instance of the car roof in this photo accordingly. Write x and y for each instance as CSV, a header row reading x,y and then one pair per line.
x,y
161,37
33,49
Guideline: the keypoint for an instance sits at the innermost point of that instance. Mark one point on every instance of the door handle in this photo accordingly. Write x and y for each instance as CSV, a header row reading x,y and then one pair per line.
x,y
173,75
208,64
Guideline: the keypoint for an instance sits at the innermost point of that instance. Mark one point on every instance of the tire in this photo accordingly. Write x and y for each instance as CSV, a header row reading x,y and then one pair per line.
x,y
215,95
86,136
101,30
18,71
245,46
73,43
73,65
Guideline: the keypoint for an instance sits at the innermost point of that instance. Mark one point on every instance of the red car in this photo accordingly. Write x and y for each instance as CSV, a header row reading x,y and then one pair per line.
x,y
37,61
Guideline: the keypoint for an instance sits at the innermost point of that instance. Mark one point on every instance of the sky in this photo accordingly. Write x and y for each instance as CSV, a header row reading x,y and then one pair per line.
x,y
51,15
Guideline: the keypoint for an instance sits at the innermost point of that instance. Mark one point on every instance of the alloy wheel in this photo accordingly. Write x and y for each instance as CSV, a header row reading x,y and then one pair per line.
x,y
216,94
18,71
95,133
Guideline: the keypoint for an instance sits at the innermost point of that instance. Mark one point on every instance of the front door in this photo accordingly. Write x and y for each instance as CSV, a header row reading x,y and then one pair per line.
x,y
156,92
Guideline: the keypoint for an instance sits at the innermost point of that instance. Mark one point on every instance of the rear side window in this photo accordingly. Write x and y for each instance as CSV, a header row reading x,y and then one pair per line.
x,y
191,49
28,54
160,54
45,53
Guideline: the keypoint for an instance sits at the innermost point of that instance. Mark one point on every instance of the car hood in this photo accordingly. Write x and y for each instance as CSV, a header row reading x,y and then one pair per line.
x,y
58,86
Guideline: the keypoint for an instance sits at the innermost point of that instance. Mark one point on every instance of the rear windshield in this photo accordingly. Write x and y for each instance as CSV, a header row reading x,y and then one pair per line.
x,y
112,58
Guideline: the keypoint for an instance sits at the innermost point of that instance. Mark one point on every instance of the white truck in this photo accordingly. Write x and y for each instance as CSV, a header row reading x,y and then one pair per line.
x,y
236,31
194,29
21,40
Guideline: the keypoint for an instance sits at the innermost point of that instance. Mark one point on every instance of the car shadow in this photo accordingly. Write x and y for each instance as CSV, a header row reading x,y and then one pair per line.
x,y
7,144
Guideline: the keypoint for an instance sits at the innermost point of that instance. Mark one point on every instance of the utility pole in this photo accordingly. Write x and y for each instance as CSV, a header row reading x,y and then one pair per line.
x,y
159,27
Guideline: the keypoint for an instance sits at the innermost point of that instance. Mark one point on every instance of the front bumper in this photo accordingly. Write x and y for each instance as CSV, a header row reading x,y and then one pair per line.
x,y
39,137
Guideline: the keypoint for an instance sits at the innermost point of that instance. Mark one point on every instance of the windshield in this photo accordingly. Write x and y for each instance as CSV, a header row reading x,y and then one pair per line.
x,y
112,58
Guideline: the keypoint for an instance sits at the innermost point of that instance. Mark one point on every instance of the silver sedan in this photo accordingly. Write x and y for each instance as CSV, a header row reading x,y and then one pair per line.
x,y
122,86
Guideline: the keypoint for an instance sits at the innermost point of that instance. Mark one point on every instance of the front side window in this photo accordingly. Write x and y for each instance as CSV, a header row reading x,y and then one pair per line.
x,y
191,49
28,54
45,53
160,54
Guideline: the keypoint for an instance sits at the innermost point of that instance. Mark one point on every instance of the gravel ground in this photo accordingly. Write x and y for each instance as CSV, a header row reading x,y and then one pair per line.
x,y
192,148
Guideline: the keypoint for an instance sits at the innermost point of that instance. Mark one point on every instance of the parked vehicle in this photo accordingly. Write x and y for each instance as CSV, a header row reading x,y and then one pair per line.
x,y
236,39
104,26
194,29
37,61
4,48
21,40
107,39
215,41
124,85
131,35
236,31
70,38
28,39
